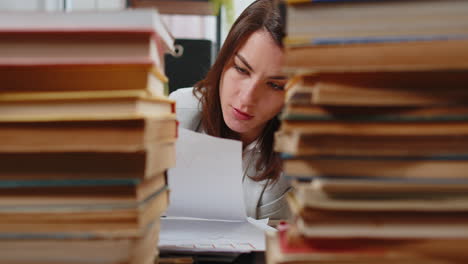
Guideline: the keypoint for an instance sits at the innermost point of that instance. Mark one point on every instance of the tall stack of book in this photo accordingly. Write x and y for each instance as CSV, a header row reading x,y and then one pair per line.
x,y
86,136
374,133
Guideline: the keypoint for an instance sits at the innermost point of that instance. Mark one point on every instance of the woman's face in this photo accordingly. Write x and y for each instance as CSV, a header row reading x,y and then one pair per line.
x,y
252,86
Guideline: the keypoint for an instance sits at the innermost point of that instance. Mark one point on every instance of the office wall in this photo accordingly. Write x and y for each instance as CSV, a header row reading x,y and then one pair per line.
x,y
191,26
97,4
58,5
240,5
30,5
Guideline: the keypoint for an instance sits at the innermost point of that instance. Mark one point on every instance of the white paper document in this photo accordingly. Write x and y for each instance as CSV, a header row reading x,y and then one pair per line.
x,y
207,179
206,210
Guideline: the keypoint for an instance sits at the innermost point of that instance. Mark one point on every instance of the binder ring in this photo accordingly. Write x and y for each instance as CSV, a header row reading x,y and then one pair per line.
x,y
178,50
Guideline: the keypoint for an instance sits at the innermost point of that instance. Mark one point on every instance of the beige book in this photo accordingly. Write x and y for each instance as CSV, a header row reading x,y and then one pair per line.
x,y
377,168
154,158
74,219
313,222
301,143
312,196
395,88
82,105
392,56
83,248
101,135
369,128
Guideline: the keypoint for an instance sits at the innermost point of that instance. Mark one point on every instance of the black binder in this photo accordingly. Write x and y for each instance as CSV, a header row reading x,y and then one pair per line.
x,y
197,56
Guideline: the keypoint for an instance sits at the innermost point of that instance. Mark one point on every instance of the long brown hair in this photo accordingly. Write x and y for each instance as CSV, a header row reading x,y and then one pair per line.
x,y
261,14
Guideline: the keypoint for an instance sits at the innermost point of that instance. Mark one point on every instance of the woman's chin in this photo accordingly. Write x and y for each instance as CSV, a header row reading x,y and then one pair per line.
x,y
237,127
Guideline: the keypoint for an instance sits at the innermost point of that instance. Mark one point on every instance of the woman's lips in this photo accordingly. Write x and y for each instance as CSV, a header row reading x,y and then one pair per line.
x,y
238,114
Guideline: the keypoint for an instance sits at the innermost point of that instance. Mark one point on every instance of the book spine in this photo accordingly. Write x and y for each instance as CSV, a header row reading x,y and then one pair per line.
x,y
44,183
384,39
375,118
444,157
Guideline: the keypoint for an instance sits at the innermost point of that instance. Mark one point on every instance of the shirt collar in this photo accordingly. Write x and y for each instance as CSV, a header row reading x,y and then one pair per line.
x,y
253,146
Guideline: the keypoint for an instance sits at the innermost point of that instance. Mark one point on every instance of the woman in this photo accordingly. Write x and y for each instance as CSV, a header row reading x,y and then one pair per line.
x,y
240,98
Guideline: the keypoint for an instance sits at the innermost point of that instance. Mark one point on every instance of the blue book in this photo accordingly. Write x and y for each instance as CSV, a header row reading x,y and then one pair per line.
x,y
383,39
383,180
47,183
56,195
87,206
351,22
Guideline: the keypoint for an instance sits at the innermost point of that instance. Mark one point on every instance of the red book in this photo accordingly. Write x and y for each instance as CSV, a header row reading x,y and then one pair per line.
x,y
123,37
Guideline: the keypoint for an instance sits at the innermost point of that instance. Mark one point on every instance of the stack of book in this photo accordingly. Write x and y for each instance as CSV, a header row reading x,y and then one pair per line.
x,y
374,134
86,136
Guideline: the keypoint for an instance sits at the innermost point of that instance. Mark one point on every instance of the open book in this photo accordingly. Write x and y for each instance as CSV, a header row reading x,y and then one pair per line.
x,y
207,211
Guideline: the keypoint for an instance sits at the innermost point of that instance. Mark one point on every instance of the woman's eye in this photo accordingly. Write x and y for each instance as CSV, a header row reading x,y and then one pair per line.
x,y
276,86
240,70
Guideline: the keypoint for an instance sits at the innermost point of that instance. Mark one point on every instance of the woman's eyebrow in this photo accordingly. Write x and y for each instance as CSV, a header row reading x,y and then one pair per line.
x,y
244,61
278,77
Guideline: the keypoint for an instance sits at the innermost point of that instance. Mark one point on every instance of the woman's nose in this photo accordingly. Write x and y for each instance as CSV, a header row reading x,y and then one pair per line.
x,y
250,92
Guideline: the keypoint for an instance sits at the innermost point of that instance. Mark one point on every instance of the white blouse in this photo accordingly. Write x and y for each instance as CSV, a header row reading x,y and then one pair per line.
x,y
262,199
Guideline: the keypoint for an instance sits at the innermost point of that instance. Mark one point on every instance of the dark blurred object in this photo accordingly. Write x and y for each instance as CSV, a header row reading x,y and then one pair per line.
x,y
196,59
174,260
211,257
187,7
